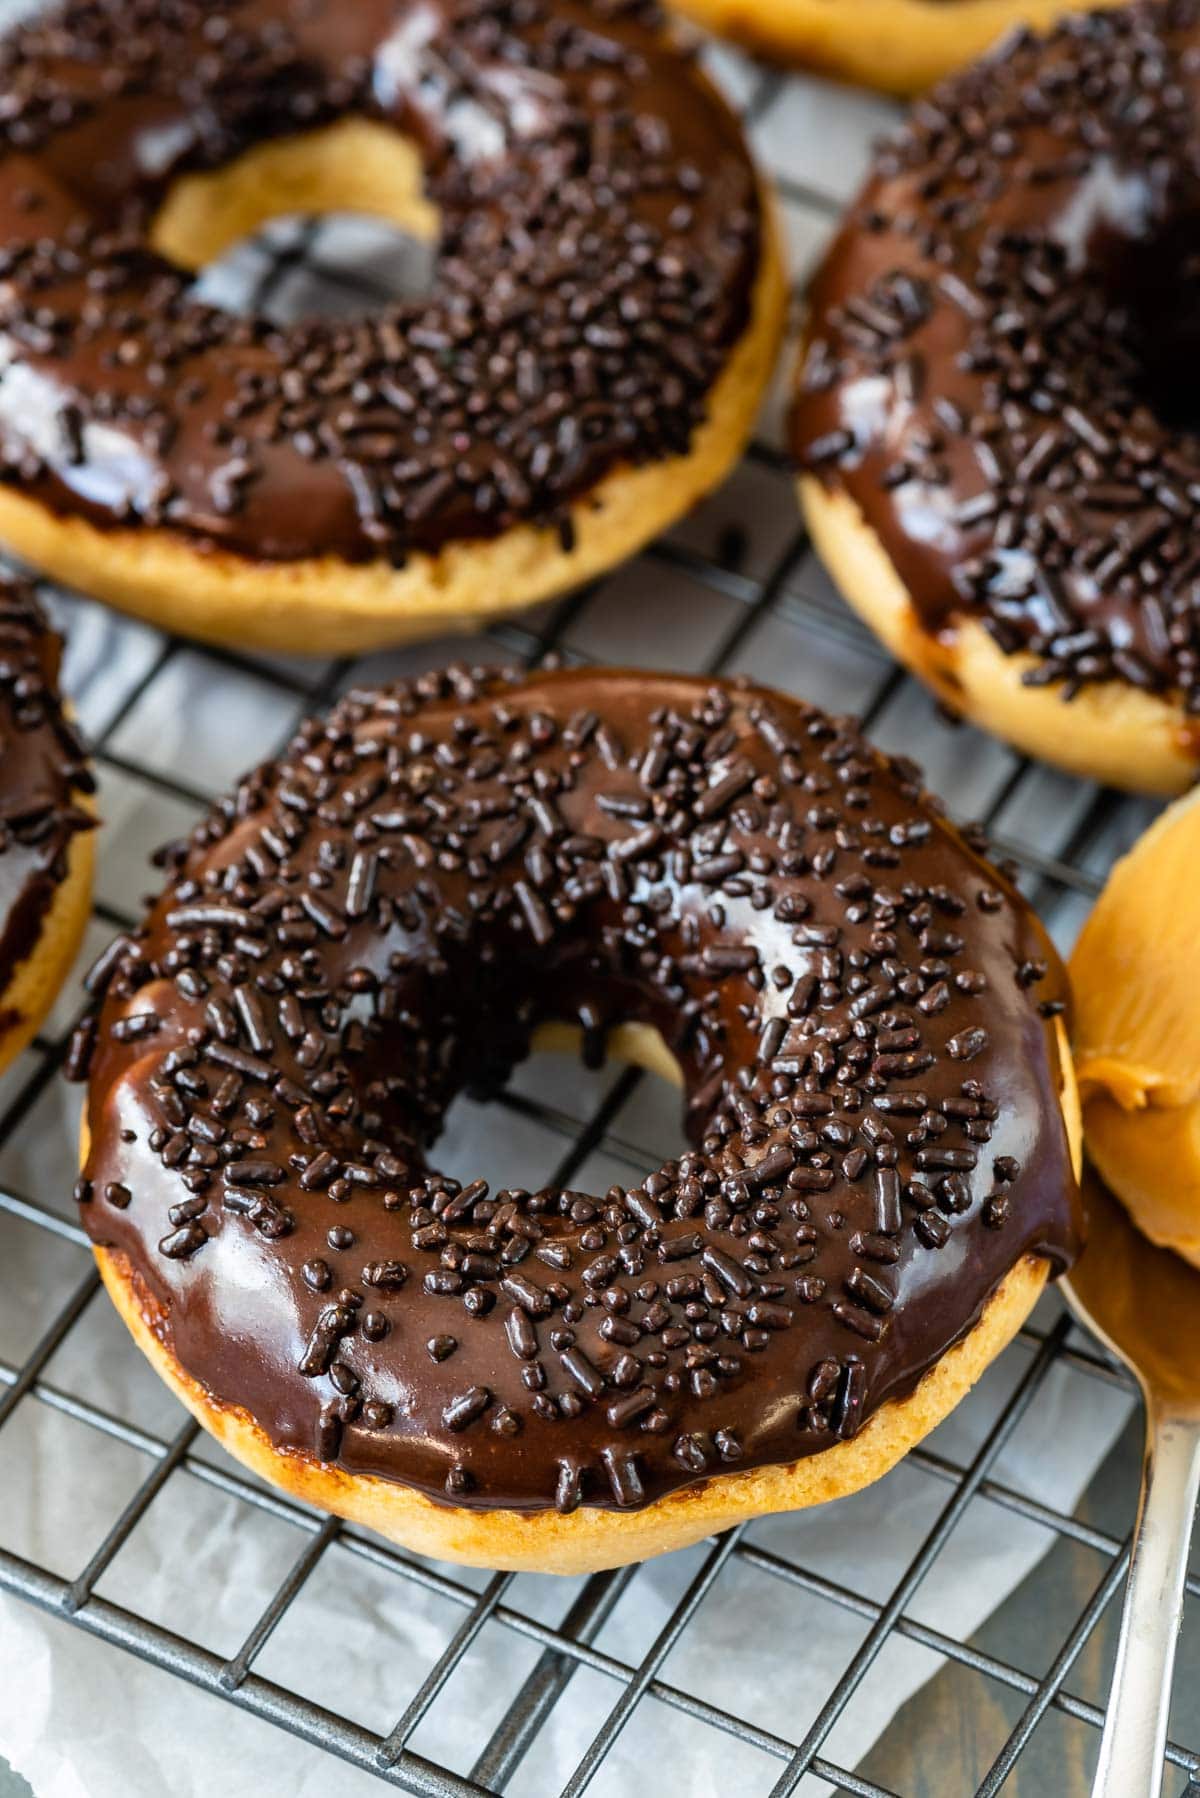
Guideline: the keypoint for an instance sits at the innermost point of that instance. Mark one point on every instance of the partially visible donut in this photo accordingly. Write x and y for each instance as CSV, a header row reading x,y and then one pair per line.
x,y
45,823
864,1014
604,310
899,46
997,417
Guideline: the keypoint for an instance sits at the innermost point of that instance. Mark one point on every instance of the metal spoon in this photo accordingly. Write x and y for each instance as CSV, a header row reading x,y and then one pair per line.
x,y
1144,1304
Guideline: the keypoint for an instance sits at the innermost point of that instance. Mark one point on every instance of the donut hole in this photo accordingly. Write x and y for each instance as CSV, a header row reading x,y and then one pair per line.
x,y
548,1077
635,1045
362,180
1157,283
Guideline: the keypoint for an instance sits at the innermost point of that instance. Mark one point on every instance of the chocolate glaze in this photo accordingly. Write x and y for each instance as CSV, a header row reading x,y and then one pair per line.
x,y
858,1001
1001,360
600,241
43,771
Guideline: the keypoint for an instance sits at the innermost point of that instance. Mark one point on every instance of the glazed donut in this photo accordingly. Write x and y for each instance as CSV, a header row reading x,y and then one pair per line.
x,y
45,826
899,46
1000,466
864,1017
604,310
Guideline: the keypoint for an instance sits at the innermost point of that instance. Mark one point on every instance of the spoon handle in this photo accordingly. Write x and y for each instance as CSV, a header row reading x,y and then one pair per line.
x,y
1135,1733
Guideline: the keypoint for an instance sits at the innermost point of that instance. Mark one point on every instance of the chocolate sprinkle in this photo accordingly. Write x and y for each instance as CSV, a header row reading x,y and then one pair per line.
x,y
856,1187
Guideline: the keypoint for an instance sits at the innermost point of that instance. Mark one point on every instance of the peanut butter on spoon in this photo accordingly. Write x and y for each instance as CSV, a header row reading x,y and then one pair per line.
x,y
1135,975
1136,979
1144,1304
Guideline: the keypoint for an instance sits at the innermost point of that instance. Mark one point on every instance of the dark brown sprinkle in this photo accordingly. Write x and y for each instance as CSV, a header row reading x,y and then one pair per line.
x,y
624,1477
933,1229
319,1172
617,1330
389,1276
728,958
637,1326
98,976
854,1317
849,1399
773,1166
228,1055
689,1452
361,885
869,1291
78,1060
888,1217
626,1410
522,1336
680,1246
329,1432
528,1295
332,1324
184,1242
568,1493
996,1210
210,917
589,1380
731,1274
466,1408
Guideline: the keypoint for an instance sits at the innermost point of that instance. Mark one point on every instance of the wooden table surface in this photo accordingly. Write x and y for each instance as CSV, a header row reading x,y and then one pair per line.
x,y
943,1742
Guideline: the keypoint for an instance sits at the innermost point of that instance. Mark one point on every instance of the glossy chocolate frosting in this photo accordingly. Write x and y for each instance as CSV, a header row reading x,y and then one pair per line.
x,y
858,1001
1001,367
599,245
43,772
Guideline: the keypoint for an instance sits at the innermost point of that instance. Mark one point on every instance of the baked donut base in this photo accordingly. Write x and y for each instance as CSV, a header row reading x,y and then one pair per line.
x,y
1110,732
35,982
327,606
589,1539
898,46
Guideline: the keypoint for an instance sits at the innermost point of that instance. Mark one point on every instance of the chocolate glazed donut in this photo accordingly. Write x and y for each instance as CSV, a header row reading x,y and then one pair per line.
x,y
864,1014
45,830
997,417
603,313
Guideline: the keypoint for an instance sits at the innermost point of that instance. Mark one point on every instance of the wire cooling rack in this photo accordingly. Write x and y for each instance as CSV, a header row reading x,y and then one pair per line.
x,y
733,589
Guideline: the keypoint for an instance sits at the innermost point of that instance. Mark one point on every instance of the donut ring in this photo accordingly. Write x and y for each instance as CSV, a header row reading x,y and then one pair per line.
x,y
999,468
45,823
897,46
604,313
865,1018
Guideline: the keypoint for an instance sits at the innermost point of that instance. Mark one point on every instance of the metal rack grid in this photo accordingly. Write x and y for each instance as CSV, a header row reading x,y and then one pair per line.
x,y
749,588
